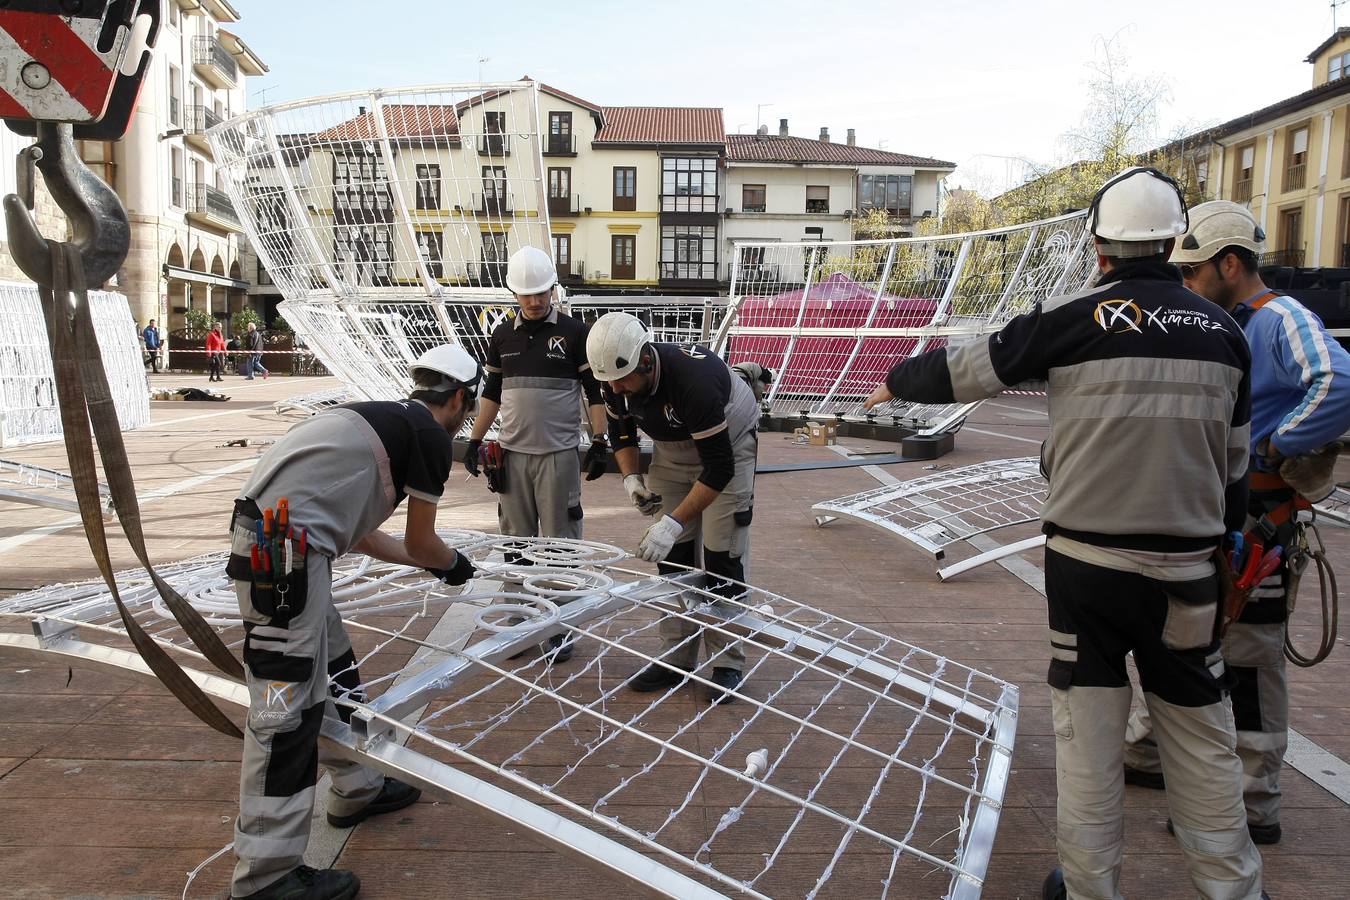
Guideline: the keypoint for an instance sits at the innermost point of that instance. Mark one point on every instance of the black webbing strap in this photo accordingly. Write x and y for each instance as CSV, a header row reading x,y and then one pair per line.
x,y
83,395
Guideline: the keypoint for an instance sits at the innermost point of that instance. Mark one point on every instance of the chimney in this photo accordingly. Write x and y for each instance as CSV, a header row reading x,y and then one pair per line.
x,y
360,110
824,134
852,138
762,130
782,128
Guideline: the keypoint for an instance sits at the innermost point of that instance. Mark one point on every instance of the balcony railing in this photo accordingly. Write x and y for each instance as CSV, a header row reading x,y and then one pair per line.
x,y
560,145
494,203
1294,177
486,273
200,118
1242,191
494,145
213,205
688,271
1290,256
565,206
213,62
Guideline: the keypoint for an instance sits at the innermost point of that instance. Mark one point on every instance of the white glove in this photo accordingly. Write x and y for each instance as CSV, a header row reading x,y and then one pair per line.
x,y
647,502
658,540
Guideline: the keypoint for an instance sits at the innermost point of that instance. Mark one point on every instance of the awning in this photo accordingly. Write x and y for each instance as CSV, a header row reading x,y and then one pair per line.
x,y
204,278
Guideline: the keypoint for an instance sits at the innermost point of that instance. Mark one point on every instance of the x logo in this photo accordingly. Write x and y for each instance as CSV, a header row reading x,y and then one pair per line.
x,y
1118,316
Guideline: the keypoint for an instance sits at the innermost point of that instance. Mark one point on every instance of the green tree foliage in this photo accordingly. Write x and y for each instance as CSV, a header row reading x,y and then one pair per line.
x,y
239,321
197,322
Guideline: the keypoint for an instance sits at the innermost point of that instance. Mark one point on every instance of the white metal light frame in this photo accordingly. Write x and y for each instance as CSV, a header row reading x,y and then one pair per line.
x,y
879,765
935,511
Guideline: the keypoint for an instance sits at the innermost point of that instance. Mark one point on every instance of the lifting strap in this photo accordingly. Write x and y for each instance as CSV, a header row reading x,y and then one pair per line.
x,y
84,398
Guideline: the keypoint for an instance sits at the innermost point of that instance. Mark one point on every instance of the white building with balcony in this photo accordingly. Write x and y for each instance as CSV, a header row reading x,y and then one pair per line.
x,y
186,241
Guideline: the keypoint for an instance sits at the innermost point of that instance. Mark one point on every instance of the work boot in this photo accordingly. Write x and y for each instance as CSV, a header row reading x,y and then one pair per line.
x,y
560,648
1053,887
305,883
394,795
725,681
1139,778
655,677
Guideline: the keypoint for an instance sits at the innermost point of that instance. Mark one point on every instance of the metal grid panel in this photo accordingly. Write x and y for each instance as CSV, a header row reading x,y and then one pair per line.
x,y
831,318
852,762
937,510
28,408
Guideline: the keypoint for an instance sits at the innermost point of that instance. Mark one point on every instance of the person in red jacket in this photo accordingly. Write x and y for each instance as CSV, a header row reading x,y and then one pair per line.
x,y
215,352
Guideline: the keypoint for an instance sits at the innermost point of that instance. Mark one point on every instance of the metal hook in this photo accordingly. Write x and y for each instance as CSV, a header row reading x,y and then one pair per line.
x,y
96,216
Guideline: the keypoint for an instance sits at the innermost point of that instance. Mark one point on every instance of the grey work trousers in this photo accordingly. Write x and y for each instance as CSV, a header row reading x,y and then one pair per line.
x,y
724,531
288,666
543,495
1097,616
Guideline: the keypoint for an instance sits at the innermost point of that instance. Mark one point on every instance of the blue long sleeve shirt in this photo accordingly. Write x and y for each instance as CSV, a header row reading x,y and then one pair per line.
x,y
1300,377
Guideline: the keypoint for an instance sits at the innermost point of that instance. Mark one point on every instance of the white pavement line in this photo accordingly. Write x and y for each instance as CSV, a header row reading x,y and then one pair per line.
x,y
1321,767
1011,437
168,490
1021,412
156,426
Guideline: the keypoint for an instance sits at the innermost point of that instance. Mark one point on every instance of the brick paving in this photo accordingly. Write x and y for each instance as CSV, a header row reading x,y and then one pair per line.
x,y
109,789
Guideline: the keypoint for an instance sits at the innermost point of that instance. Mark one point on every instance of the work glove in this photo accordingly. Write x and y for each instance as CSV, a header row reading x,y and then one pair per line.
x,y
647,502
660,537
457,574
1312,474
596,458
471,457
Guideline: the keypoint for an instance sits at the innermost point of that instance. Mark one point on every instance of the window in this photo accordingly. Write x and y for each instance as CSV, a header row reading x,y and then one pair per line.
x,y
428,186
818,198
751,264
494,246
174,14
1345,230
888,192
431,247
494,123
1242,181
623,252
559,133
360,188
495,141
363,254
625,188
752,198
1338,66
689,252
1291,238
1202,176
1296,158
495,196
175,95
560,192
689,184
562,252
176,177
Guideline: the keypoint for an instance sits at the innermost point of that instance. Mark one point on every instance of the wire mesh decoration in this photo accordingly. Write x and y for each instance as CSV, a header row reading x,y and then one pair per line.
x,y
852,763
28,407
935,512
830,318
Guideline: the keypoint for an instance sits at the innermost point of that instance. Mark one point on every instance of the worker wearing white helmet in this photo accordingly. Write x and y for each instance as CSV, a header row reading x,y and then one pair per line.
x,y
1149,390
702,420
1300,408
537,375
341,473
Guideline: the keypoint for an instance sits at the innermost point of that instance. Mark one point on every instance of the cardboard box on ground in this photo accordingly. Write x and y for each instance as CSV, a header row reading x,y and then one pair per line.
x,y
819,433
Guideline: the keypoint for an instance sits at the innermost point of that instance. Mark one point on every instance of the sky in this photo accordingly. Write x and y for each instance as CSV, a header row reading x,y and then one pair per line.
x,y
986,85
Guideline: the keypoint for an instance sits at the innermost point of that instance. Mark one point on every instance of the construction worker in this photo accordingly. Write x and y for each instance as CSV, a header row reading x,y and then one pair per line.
x,y
342,472
537,374
1300,404
1146,459
702,420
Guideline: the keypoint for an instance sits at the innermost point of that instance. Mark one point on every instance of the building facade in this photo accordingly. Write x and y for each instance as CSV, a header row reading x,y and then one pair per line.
x,y
186,242
785,188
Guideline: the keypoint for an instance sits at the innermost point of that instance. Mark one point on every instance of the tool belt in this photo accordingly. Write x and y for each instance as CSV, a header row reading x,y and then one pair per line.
x,y
492,460
275,565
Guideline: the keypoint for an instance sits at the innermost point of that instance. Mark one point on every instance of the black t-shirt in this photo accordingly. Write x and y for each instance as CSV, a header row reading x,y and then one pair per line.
x,y
420,451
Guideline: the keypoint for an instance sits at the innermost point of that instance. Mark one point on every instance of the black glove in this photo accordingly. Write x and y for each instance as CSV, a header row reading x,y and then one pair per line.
x,y
596,459
457,574
471,458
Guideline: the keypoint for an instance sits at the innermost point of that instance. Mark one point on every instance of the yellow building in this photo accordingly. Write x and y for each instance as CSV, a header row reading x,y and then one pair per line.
x,y
1290,162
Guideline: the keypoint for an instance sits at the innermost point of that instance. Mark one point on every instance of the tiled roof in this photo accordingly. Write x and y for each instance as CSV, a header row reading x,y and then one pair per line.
x,y
563,95
661,125
401,120
1336,36
774,148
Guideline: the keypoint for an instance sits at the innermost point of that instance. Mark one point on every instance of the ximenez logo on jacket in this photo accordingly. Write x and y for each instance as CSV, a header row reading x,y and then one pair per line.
x,y
557,346
1121,316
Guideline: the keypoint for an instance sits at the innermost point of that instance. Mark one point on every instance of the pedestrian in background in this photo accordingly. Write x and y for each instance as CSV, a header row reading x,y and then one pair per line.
x,y
152,344
215,353
254,343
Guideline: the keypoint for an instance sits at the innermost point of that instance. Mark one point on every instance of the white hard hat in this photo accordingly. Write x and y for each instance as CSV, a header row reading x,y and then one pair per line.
x,y
615,344
457,368
1215,225
1136,212
530,271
